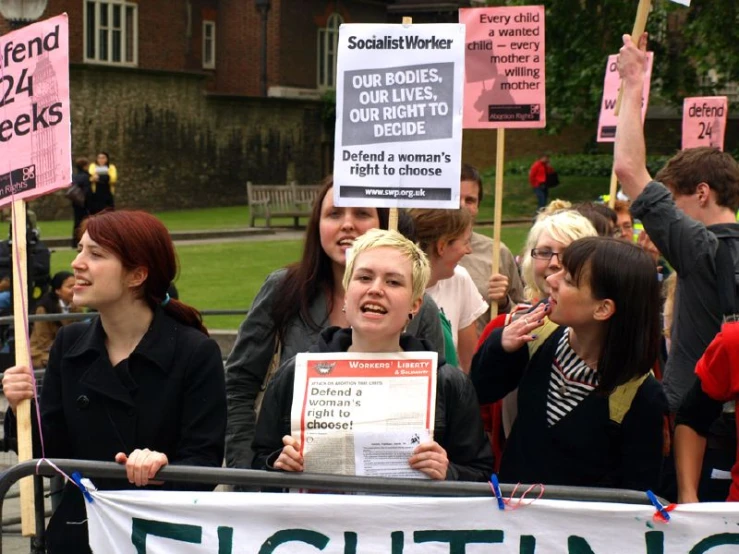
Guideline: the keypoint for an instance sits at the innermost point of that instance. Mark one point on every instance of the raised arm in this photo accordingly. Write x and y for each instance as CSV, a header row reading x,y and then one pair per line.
x,y
630,153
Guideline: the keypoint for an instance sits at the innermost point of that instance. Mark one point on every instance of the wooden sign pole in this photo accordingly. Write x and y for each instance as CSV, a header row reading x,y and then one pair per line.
x,y
393,220
23,410
640,24
499,169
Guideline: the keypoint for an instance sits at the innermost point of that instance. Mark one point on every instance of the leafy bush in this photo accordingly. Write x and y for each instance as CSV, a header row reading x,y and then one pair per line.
x,y
583,165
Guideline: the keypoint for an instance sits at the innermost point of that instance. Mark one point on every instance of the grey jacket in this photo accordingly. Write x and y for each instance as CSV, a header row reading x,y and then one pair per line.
x,y
690,248
255,344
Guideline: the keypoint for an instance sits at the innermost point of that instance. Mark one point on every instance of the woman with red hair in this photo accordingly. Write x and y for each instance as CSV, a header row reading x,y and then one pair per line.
x,y
142,384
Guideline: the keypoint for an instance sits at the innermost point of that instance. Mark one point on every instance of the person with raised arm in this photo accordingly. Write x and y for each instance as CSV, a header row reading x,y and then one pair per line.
x,y
689,213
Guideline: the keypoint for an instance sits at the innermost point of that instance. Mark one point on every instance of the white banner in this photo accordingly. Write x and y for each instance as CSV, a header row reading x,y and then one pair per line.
x,y
363,414
399,115
138,522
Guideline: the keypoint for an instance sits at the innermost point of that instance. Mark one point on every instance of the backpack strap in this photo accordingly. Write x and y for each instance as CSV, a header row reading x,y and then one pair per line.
x,y
620,400
725,279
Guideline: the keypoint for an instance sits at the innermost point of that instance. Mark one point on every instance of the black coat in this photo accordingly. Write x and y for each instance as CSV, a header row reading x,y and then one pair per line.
x,y
176,404
457,427
585,448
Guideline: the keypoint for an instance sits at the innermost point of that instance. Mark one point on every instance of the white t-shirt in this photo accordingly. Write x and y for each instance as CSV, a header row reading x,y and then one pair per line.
x,y
460,300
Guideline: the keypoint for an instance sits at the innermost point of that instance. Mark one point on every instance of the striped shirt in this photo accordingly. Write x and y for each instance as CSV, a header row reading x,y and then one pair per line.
x,y
570,382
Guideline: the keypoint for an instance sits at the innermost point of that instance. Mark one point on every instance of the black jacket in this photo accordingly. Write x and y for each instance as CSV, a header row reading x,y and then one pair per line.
x,y
457,427
175,404
585,448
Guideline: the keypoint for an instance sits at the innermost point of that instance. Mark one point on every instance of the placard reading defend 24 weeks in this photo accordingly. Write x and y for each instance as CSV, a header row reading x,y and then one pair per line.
x,y
398,115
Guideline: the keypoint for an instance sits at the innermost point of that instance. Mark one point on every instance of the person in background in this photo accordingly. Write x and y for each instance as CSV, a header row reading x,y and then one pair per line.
x,y
142,384
590,413
625,231
293,306
444,235
103,177
6,293
81,178
57,301
504,288
389,272
718,383
538,174
624,221
601,216
689,210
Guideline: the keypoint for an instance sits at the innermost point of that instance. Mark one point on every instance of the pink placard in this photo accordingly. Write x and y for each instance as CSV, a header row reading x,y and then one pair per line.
x,y
35,138
704,121
504,68
608,120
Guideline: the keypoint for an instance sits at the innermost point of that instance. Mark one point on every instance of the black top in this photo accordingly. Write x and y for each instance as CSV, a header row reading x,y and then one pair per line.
x,y
457,427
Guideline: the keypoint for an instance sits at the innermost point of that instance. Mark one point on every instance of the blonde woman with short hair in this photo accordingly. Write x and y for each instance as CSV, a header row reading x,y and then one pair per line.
x,y
385,279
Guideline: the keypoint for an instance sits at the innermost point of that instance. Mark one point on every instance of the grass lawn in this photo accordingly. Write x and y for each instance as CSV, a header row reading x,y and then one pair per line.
x,y
228,275
518,201
231,217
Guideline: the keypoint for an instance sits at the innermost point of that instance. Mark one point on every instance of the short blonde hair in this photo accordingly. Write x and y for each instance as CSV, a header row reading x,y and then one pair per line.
x,y
565,226
380,238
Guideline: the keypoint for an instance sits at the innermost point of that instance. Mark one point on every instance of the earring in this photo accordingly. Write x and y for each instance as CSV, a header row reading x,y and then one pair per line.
x,y
410,316
343,308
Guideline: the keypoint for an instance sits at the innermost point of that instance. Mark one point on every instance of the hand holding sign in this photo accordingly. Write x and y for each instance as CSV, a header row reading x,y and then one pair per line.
x,y
632,61
17,385
290,458
430,458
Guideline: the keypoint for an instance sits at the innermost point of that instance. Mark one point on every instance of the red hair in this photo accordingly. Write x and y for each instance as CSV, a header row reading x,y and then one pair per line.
x,y
138,239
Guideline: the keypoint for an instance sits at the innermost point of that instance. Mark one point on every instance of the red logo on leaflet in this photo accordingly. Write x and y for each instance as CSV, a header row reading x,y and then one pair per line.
x,y
324,368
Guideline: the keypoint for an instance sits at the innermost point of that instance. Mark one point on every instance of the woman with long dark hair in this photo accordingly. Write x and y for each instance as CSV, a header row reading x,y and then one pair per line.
x,y
57,301
293,306
589,411
142,384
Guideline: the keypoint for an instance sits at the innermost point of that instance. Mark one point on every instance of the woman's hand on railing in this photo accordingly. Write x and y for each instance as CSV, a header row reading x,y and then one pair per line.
x,y
142,465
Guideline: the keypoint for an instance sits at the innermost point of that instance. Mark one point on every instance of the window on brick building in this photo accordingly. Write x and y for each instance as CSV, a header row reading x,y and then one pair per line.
x,y
328,39
209,44
111,32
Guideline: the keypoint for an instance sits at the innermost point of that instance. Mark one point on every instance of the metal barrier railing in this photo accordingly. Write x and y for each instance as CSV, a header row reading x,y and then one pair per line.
x,y
280,480
8,319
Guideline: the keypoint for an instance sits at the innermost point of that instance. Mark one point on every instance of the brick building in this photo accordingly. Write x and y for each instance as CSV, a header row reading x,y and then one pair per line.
x,y
175,91
191,98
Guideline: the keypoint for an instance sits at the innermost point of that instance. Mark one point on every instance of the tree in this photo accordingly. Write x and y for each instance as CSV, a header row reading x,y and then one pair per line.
x,y
689,43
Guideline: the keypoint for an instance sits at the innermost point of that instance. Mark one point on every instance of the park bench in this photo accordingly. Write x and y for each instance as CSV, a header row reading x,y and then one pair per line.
x,y
268,201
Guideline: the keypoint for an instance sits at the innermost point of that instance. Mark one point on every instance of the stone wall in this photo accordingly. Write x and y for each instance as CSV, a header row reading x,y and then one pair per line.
x,y
177,147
